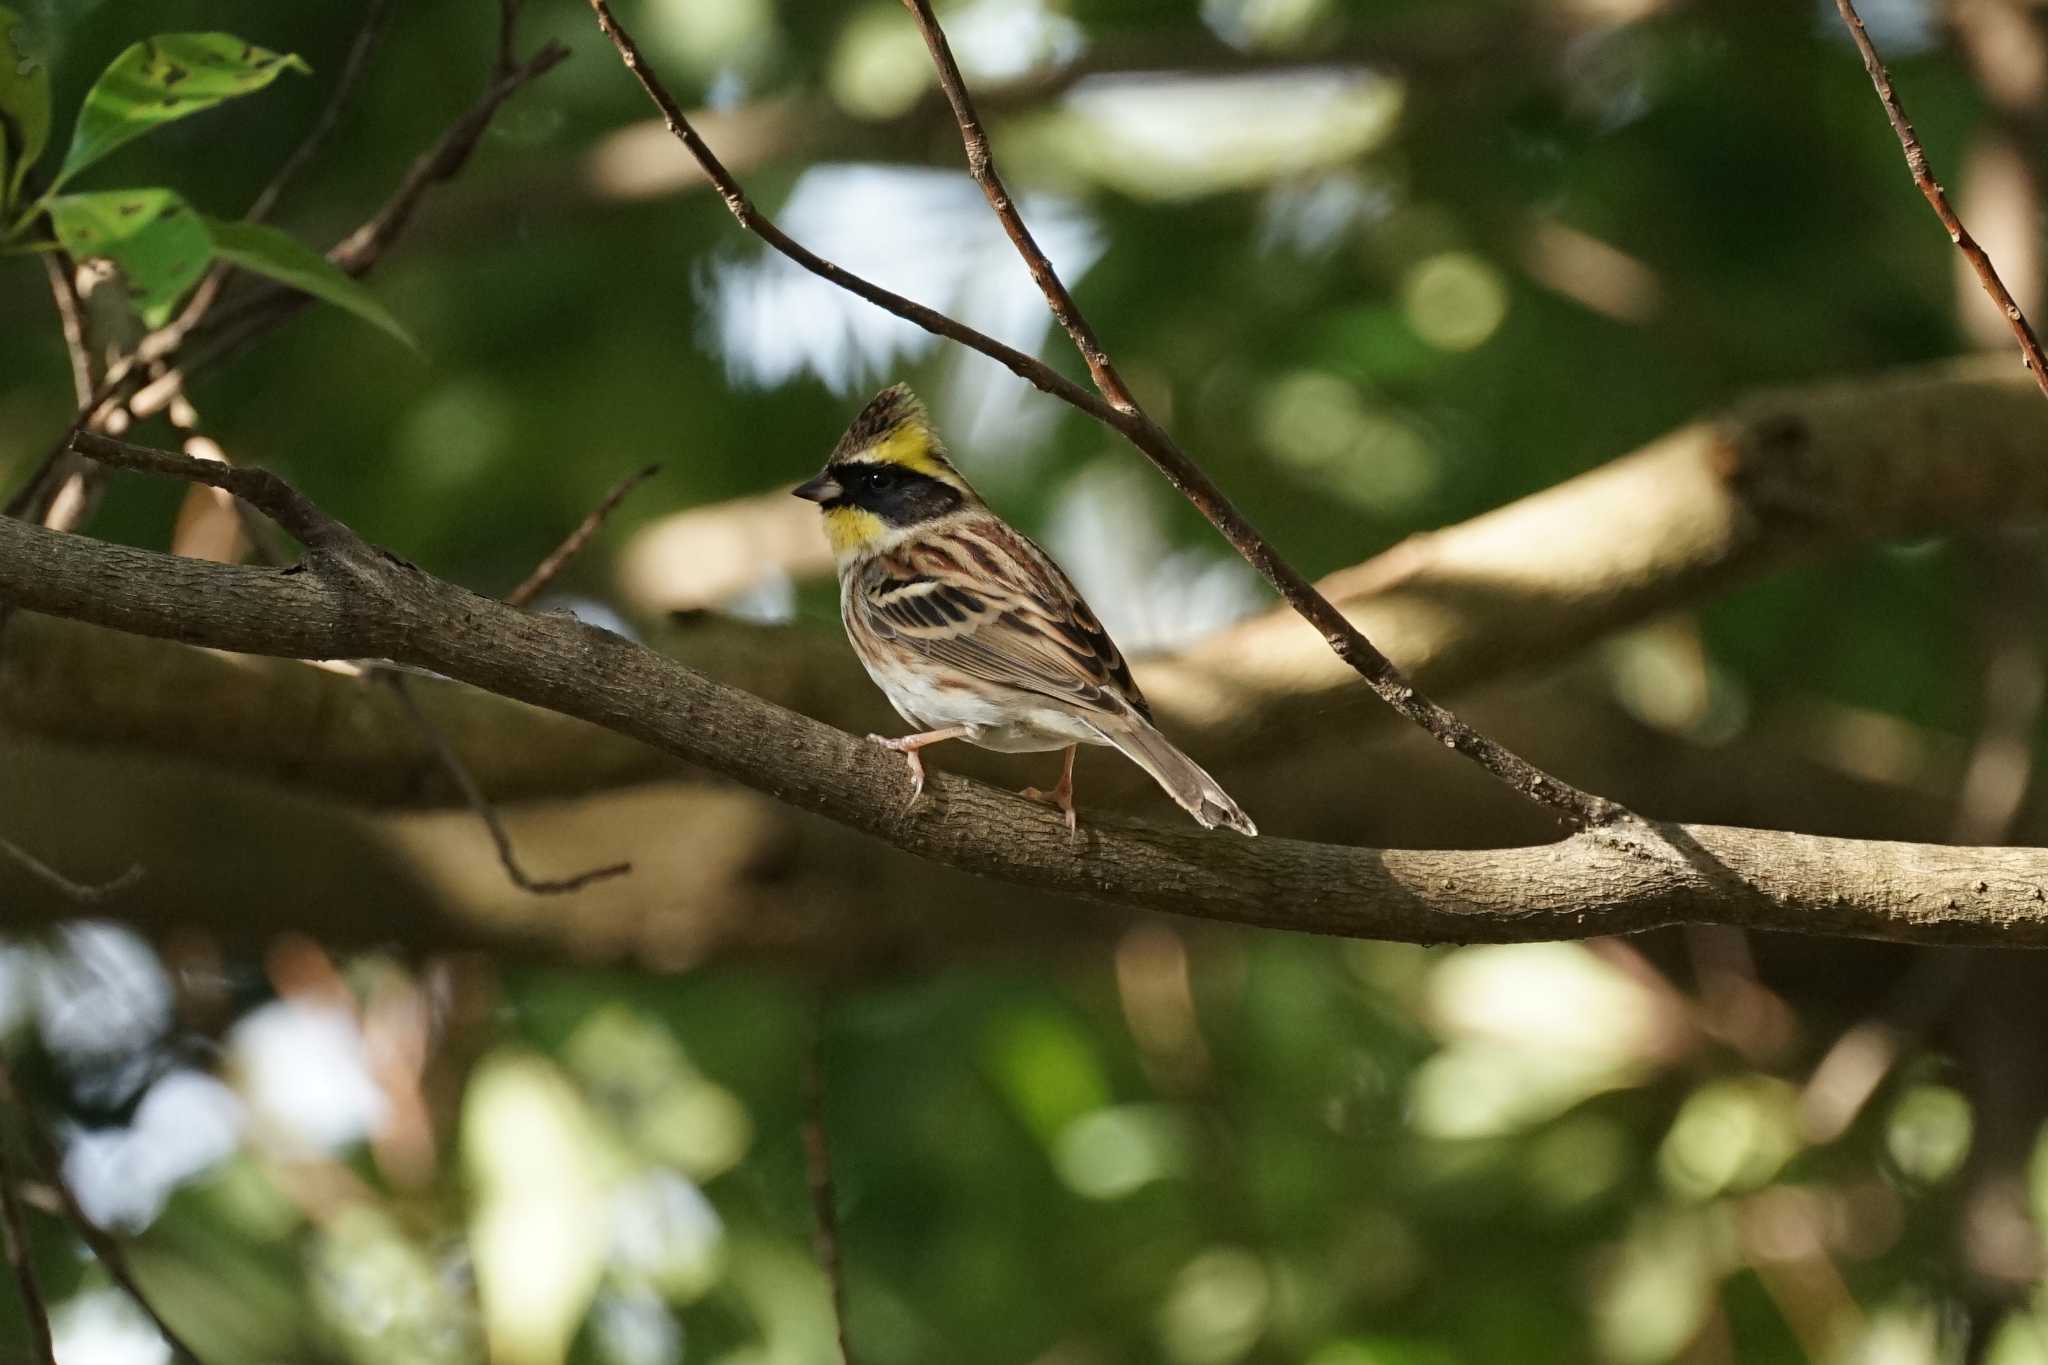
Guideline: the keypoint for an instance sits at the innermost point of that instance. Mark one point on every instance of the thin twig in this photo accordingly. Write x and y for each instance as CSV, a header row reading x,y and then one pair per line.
x,y
544,572
444,161
85,893
357,61
71,318
1028,368
375,12
1578,808
473,793
34,1307
982,166
1930,188
508,29
824,1197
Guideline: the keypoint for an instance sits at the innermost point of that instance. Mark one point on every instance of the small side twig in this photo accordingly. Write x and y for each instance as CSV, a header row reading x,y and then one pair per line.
x,y
267,492
1937,199
1118,412
14,1225
824,1197
84,893
544,572
465,781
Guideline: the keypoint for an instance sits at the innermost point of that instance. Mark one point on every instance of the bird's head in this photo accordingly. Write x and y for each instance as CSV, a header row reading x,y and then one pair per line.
x,y
888,474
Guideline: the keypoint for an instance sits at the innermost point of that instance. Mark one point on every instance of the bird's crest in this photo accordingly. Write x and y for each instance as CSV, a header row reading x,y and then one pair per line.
x,y
894,428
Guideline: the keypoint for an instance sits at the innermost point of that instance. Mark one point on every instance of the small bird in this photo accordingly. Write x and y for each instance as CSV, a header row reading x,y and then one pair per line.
x,y
969,629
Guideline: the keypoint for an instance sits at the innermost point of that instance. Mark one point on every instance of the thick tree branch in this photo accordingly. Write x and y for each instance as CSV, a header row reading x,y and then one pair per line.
x,y
1121,413
351,601
1780,479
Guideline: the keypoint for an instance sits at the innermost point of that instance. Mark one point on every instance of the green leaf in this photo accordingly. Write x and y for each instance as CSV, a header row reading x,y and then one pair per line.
x,y
165,78
283,257
24,102
156,239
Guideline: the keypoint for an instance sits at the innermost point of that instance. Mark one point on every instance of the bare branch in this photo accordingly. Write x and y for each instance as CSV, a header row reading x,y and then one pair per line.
x,y
1119,412
824,1197
452,763
1937,199
354,602
544,573
1028,368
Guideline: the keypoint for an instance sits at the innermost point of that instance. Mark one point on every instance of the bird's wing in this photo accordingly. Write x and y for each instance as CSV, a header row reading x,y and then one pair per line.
x,y
976,596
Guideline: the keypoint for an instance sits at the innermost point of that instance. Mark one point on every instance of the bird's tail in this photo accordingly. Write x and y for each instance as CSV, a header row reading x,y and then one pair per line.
x,y
1179,776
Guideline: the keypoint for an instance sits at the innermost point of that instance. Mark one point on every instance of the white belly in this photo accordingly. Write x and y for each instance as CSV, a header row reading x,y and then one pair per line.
x,y
1014,726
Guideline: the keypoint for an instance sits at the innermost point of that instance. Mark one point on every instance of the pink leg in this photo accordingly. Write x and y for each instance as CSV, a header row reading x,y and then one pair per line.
x,y
1062,795
908,747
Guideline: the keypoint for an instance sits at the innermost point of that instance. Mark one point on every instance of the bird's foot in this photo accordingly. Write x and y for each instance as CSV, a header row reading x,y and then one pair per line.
x,y
910,758
1061,798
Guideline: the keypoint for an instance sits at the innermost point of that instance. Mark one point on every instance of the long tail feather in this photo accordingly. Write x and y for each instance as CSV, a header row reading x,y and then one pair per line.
x,y
1179,776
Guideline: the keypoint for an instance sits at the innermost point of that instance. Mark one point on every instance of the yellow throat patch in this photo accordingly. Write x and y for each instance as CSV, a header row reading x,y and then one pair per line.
x,y
852,528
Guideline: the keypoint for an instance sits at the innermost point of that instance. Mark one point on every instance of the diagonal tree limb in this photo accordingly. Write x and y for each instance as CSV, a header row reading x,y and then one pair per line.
x,y
1580,809
351,601
1937,198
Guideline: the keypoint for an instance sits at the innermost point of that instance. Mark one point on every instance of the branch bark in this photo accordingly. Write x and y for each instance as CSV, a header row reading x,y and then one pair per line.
x,y
349,600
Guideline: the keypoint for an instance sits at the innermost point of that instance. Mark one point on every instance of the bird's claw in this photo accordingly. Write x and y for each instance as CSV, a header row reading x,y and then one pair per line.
x,y
1063,801
911,759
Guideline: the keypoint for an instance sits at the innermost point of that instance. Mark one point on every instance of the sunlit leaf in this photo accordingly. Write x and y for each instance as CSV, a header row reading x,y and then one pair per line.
x,y
282,257
165,78
156,239
24,102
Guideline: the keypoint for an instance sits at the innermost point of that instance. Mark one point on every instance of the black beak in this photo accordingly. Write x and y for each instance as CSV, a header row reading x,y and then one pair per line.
x,y
824,488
